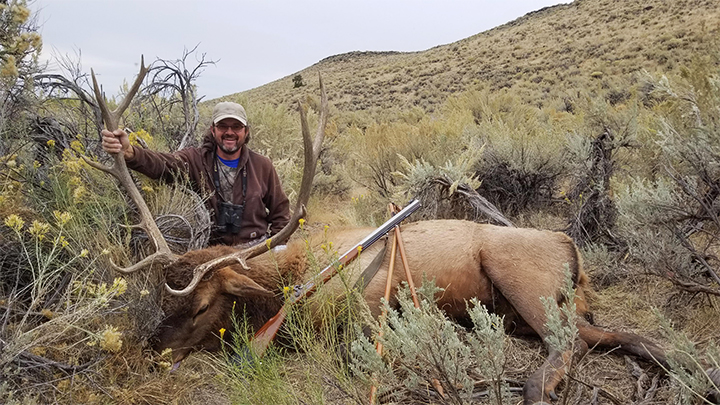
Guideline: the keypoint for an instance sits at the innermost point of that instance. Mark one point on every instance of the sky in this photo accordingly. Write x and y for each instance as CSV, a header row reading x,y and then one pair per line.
x,y
253,42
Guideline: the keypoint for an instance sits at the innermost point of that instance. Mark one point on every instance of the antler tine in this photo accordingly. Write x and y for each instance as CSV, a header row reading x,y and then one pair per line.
x,y
112,118
120,171
322,123
110,121
125,103
147,261
312,153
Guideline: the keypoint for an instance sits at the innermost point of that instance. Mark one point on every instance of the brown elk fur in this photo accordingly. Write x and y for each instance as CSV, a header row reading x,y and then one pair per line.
x,y
507,269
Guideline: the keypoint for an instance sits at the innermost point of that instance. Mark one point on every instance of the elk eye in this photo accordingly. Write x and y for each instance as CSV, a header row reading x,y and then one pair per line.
x,y
201,310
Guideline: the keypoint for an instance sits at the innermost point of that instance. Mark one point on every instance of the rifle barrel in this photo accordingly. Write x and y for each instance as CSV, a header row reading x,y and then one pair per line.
x,y
328,272
267,332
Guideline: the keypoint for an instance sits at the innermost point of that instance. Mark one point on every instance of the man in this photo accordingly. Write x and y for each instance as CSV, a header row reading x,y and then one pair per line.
x,y
246,195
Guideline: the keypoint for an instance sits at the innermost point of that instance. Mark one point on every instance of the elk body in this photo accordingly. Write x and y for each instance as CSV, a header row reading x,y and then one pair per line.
x,y
507,269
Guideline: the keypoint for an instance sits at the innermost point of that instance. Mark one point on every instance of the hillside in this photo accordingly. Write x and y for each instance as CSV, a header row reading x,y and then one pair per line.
x,y
540,56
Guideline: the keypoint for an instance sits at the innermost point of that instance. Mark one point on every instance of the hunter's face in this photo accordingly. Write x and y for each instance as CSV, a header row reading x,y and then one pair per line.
x,y
229,135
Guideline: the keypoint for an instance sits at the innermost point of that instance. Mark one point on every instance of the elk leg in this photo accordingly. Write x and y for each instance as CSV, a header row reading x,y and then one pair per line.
x,y
626,342
540,387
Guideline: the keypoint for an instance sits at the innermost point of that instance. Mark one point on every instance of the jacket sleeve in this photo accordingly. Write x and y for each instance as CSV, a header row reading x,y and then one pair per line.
x,y
277,204
158,165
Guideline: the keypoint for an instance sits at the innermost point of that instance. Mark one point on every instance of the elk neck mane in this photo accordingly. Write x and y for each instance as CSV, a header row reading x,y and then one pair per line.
x,y
271,270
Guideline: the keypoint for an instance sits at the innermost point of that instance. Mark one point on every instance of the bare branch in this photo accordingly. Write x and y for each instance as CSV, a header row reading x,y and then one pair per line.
x,y
60,84
477,201
172,78
692,286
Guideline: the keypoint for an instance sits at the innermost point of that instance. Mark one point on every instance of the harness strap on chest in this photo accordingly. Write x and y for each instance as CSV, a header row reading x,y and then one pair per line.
x,y
216,182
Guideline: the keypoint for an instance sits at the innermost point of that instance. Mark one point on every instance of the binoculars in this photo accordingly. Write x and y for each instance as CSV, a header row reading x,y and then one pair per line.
x,y
230,217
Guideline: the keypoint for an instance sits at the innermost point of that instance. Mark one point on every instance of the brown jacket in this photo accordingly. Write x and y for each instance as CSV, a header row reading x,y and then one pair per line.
x,y
264,188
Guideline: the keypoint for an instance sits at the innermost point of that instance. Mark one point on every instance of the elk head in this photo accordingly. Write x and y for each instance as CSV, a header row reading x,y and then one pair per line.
x,y
195,313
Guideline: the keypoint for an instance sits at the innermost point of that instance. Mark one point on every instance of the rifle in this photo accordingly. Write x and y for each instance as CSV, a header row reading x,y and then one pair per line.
x,y
267,332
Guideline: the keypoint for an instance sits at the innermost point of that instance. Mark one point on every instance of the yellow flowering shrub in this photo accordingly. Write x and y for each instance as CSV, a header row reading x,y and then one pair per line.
x,y
39,229
18,41
14,222
61,241
20,13
71,161
77,146
102,290
119,285
79,193
141,134
62,217
111,339
9,67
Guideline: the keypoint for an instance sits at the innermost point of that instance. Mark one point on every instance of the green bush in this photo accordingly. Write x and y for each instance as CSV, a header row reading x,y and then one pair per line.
x,y
670,221
423,348
595,154
524,151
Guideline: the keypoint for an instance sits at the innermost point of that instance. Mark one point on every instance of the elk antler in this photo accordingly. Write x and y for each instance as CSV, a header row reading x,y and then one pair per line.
x,y
312,153
120,171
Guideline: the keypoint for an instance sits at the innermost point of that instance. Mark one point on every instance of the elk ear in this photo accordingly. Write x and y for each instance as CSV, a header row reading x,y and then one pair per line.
x,y
242,286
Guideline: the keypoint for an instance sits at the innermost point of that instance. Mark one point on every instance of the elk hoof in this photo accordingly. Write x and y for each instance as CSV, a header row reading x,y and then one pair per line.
x,y
553,395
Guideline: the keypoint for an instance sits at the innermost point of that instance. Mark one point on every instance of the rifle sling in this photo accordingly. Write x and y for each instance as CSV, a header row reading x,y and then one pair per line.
x,y
371,269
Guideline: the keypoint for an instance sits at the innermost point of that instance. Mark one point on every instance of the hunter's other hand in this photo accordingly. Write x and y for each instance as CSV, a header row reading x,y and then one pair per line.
x,y
116,142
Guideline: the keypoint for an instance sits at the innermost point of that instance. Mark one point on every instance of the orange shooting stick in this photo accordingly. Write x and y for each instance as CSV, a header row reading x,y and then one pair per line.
x,y
388,286
401,245
416,301
267,332
408,276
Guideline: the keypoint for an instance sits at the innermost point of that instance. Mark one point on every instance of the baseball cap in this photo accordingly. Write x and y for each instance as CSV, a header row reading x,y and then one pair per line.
x,y
228,109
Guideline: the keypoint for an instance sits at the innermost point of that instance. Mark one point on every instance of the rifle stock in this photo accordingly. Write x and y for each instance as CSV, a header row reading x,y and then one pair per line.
x,y
265,335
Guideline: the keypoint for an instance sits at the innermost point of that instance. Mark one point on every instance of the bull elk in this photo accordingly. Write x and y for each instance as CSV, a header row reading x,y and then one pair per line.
x,y
507,269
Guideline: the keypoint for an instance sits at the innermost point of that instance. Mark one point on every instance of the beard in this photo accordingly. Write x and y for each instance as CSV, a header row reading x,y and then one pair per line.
x,y
229,147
